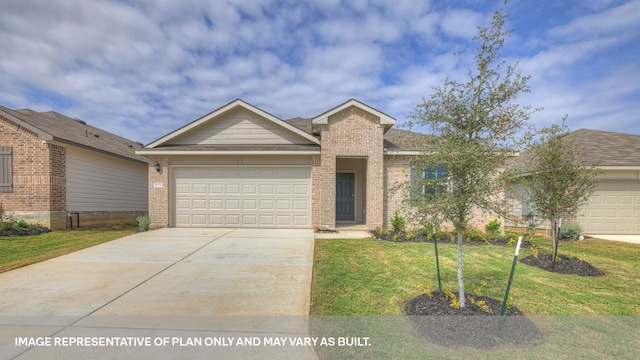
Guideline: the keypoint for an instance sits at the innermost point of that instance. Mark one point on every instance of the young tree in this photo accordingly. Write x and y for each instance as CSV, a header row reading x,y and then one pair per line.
x,y
476,127
554,178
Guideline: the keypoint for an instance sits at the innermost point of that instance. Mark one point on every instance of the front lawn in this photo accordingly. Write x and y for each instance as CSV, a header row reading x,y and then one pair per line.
x,y
18,251
373,277
360,288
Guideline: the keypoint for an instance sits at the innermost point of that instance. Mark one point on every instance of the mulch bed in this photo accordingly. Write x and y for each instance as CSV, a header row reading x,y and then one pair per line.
x,y
437,321
564,265
402,237
10,230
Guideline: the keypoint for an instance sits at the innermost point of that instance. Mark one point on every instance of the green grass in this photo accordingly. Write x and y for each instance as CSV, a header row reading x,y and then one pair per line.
x,y
372,277
18,251
360,287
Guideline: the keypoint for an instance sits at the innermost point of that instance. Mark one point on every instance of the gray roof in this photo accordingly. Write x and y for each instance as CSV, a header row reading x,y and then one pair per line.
x,y
53,126
394,139
604,148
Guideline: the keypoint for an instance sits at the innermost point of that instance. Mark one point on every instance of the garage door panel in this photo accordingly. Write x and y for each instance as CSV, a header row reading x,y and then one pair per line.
x,y
216,189
283,205
267,189
199,219
301,205
250,205
267,205
199,204
301,189
626,213
250,189
216,220
284,189
183,189
250,220
232,204
253,197
216,204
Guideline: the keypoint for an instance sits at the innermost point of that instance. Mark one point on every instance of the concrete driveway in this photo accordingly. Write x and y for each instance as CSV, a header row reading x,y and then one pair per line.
x,y
169,293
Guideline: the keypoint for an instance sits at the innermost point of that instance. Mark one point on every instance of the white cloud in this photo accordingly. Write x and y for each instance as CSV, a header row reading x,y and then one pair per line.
x,y
142,68
461,23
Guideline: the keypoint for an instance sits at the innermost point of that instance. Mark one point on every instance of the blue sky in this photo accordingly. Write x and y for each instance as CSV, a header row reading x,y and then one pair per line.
x,y
142,68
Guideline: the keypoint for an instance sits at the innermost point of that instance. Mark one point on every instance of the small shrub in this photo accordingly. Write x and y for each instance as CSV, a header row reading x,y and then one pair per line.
x,y
569,231
444,236
509,303
427,290
20,224
493,227
477,290
512,234
1,212
143,222
582,257
383,232
423,231
5,226
455,303
397,222
475,235
534,250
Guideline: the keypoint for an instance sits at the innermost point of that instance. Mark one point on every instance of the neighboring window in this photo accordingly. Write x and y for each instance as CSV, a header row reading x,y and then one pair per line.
x,y
6,169
427,184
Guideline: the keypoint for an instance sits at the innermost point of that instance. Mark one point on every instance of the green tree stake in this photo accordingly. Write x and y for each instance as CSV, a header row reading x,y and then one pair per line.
x,y
435,244
506,293
555,249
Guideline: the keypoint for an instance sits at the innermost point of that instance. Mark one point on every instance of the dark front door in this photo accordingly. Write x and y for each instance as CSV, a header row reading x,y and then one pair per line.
x,y
345,197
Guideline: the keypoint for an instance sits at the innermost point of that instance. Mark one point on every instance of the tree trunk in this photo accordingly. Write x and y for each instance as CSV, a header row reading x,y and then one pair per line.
x,y
461,297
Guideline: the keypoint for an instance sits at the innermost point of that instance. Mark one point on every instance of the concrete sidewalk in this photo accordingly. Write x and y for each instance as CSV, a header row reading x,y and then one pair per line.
x,y
177,284
634,239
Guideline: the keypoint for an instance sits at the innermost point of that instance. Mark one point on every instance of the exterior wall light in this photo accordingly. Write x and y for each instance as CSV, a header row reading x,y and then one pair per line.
x,y
157,166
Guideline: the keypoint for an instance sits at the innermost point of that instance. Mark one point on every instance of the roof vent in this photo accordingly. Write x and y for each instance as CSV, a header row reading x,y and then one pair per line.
x,y
80,121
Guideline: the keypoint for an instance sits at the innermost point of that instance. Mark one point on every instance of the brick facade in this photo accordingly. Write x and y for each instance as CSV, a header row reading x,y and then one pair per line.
x,y
397,172
39,189
350,133
159,192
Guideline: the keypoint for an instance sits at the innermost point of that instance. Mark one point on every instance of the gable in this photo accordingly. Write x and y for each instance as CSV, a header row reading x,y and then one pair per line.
x,y
240,126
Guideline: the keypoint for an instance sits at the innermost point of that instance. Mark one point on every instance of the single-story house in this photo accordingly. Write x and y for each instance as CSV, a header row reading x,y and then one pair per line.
x,y
53,166
241,166
614,207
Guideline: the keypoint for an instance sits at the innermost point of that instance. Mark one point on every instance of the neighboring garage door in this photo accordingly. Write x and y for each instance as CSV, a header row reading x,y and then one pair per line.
x,y
613,209
243,196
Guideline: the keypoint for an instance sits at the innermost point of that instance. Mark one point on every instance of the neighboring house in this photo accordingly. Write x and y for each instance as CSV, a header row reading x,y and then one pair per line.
x,y
52,165
614,208
241,166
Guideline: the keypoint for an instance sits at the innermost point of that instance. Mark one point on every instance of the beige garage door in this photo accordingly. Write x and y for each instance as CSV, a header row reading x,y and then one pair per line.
x,y
243,197
613,209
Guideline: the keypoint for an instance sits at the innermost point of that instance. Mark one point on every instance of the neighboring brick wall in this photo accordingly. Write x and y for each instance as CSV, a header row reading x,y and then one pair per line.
x,y
39,193
159,196
351,133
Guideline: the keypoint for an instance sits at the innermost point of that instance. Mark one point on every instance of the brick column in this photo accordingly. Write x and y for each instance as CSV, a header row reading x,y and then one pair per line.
x,y
159,192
